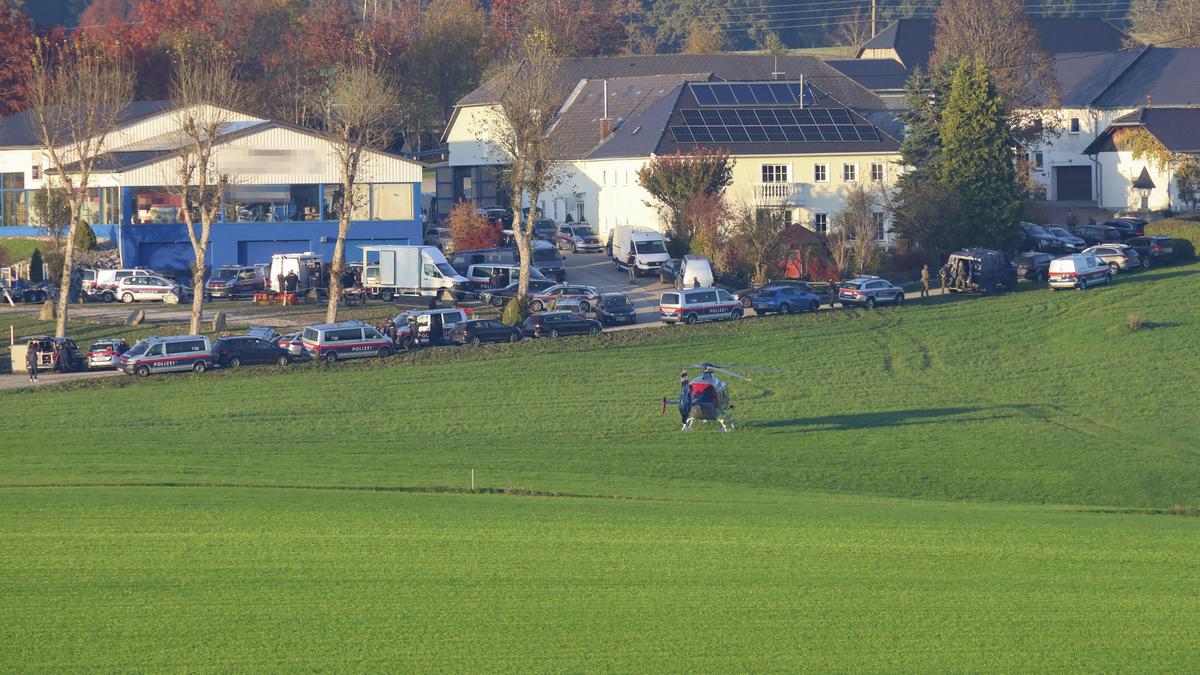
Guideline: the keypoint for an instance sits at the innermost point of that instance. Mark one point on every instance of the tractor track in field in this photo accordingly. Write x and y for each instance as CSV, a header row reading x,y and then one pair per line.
x,y
406,489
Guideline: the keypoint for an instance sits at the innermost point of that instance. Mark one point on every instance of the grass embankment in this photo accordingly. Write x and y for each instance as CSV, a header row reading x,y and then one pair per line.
x,y
1036,430
20,248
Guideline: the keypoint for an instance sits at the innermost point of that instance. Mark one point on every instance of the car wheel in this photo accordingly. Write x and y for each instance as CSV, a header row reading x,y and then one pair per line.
x,y
476,342
127,298
554,333
331,358
735,315
514,337
200,367
593,330
142,371
233,362
814,306
870,303
1114,267
1108,279
384,352
691,319
585,306
387,296
746,302
785,308
497,301
283,360
1145,263
574,249
899,298
108,297
406,343
537,306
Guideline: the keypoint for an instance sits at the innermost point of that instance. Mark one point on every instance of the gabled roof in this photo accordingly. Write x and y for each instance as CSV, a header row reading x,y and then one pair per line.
x,y
577,129
1144,182
724,66
1084,76
642,133
1175,128
1169,77
874,74
21,130
912,39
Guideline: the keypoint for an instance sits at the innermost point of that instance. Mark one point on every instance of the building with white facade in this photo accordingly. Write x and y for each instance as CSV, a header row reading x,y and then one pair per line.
x,y
800,133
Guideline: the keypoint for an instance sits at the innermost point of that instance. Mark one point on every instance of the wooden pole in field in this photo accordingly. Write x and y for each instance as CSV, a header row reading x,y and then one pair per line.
x,y
472,480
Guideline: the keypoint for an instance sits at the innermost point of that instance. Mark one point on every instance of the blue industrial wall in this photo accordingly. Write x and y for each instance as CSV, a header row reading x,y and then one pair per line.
x,y
165,247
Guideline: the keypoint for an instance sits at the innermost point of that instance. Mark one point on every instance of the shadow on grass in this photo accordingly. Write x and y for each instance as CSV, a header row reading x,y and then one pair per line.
x,y
872,420
1141,276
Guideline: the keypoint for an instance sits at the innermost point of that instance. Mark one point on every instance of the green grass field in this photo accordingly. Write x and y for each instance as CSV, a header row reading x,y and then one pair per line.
x,y
976,484
20,248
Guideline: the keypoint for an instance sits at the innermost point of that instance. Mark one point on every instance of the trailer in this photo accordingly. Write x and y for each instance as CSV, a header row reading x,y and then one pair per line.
x,y
422,271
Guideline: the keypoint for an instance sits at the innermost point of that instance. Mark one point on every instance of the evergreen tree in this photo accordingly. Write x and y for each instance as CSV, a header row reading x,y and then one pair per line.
x,y
35,267
85,239
976,165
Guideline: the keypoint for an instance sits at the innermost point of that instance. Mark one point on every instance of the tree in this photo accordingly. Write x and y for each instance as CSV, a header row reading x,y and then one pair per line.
x,y
86,240
855,232
16,41
519,130
77,91
52,210
202,87
976,166
999,34
471,230
1174,23
674,179
840,253
759,234
35,267
707,216
449,55
360,115
703,38
671,23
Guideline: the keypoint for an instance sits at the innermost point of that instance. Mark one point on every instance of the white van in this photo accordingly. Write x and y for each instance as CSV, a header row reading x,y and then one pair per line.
x,y
693,305
346,340
451,318
648,247
167,354
1078,271
694,271
103,284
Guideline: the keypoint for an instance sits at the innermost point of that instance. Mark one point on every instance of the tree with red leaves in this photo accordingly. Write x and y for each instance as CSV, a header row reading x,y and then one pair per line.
x,y
16,41
471,230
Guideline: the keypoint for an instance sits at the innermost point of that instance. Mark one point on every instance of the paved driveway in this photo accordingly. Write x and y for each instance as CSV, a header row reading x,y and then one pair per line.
x,y
596,269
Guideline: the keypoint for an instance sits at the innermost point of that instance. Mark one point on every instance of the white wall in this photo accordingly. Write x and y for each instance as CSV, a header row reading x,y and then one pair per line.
x,y
1067,148
467,139
1118,170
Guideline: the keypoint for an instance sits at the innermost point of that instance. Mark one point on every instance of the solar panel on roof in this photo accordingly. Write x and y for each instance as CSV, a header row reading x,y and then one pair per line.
x,y
770,125
750,93
840,116
724,94
704,95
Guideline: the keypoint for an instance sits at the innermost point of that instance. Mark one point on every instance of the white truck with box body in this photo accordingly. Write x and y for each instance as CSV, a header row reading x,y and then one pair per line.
x,y
307,267
648,247
393,270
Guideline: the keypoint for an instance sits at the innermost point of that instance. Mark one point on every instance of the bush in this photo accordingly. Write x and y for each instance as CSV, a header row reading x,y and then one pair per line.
x,y
1136,321
515,313
5,257
85,238
470,230
35,267
1186,234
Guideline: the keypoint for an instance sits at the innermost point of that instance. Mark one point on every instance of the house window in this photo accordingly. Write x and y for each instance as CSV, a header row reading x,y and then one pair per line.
x,y
877,172
820,222
1039,160
850,172
879,220
604,177
820,173
1073,125
775,173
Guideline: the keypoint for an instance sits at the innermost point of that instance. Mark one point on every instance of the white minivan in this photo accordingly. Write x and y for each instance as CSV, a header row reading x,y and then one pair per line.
x,y
648,248
693,305
1078,271
167,354
694,271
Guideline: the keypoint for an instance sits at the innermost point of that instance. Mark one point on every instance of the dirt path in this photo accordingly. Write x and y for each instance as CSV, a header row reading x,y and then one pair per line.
x,y
21,381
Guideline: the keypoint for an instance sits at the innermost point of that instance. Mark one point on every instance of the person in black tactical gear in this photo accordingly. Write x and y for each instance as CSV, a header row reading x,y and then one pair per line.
x,y
685,399
31,361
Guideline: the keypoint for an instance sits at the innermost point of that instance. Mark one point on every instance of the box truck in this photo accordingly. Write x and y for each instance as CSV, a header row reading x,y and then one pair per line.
x,y
648,247
389,271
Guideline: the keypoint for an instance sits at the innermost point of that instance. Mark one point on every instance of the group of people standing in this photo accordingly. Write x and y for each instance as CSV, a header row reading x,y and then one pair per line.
x,y
60,361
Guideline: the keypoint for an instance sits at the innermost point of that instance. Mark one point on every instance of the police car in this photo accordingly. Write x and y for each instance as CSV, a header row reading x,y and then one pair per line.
x,y
587,296
693,305
451,319
166,355
345,340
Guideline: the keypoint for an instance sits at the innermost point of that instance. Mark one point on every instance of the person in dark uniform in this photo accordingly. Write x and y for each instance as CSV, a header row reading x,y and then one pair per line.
x,y
496,280
685,399
281,282
31,361
414,332
293,282
631,263
436,326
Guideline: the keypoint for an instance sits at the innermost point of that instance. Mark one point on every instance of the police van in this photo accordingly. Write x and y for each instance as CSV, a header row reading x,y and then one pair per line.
x,y
167,355
451,318
693,305
345,340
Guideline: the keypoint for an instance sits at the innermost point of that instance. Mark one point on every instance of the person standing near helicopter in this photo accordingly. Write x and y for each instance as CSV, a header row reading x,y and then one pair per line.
x,y
685,399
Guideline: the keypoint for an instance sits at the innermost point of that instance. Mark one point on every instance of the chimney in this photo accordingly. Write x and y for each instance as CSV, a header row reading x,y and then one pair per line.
x,y
605,122
1149,102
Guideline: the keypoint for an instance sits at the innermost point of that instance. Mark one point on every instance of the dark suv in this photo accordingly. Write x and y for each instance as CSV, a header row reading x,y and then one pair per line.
x,y
868,292
979,270
1129,227
554,324
615,308
478,331
1038,239
1034,266
1094,235
236,350
1155,250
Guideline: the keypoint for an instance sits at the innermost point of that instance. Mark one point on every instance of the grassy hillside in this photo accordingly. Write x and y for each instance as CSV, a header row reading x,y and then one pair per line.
x,y
980,484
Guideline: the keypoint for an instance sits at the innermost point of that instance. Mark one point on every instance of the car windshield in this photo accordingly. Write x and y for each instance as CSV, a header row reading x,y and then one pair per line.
x,y
225,274
649,247
101,346
138,349
1059,232
583,231
545,255
1037,229
446,269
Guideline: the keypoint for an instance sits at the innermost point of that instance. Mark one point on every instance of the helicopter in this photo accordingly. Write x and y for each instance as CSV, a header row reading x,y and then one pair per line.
x,y
709,395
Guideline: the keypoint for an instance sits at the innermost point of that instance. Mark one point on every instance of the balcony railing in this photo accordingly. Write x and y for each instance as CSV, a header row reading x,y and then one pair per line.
x,y
779,193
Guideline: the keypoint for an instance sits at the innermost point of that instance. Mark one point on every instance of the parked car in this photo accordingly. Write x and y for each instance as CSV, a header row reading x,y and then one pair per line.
x,y
693,305
1079,270
52,351
615,308
498,297
479,277
1130,227
103,285
499,216
578,238
346,340
1099,234
461,261
1034,266
545,229
168,354
695,271
1153,249
555,324
1068,242
669,271
233,281
478,331
236,350
293,343
979,270
450,316
1118,257
439,237
588,296
1037,239
104,353
265,333
868,292
139,287
785,300
548,260
746,295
